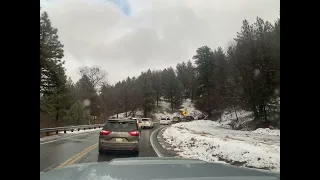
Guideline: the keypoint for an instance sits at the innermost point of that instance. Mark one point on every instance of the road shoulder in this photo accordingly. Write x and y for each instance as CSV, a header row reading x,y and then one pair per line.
x,y
162,148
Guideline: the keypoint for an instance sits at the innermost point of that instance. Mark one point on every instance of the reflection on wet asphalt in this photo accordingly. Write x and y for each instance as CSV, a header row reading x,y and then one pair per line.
x,y
146,150
54,153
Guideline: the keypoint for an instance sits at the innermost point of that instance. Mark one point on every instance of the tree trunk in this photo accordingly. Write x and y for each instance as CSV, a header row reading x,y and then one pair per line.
x,y
261,107
265,113
145,109
192,95
117,110
157,99
235,111
255,111
125,105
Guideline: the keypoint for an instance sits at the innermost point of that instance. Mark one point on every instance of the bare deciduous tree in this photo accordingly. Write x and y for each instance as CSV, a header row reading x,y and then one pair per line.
x,y
96,75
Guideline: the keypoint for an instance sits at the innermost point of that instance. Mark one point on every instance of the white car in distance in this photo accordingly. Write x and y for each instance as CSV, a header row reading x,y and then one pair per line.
x,y
165,121
146,123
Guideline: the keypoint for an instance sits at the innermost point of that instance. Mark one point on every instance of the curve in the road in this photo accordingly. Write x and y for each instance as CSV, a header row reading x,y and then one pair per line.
x,y
153,139
82,148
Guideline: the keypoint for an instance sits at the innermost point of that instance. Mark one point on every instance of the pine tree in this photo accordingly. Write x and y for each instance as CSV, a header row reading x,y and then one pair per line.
x,y
52,74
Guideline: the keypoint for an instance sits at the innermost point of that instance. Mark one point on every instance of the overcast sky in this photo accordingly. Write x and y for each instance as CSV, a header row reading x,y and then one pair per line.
x,y
125,37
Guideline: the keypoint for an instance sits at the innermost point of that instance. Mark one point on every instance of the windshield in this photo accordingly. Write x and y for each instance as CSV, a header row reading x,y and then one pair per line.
x,y
194,79
120,126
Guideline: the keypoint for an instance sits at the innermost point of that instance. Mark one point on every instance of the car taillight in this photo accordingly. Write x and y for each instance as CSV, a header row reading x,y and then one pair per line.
x,y
134,133
104,133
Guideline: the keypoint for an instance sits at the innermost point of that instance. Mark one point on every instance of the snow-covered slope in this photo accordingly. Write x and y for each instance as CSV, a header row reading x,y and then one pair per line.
x,y
164,110
191,110
208,141
230,116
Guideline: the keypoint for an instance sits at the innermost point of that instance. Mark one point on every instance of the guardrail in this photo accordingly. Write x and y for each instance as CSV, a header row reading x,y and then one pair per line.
x,y
69,128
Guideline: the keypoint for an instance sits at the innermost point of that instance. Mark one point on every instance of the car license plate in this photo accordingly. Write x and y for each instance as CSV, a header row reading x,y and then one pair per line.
x,y
118,140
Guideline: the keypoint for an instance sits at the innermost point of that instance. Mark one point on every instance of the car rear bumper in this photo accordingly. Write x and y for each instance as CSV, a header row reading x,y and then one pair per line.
x,y
106,146
165,123
145,125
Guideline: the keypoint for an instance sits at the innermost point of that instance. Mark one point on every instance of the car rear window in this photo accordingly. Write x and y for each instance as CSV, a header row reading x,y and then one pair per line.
x,y
145,119
163,119
125,126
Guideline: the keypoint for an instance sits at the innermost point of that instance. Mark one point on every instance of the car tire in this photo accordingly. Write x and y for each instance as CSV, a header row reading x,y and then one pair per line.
x,y
100,151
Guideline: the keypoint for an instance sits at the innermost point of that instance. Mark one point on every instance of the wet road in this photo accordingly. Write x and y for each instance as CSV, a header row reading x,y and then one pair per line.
x,y
82,148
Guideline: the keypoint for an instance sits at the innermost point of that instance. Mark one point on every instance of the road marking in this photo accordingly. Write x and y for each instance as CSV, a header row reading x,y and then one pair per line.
x,y
76,157
67,137
152,142
83,154
48,168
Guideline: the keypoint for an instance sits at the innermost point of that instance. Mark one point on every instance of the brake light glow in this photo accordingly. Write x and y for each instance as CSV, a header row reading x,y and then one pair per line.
x,y
104,133
134,133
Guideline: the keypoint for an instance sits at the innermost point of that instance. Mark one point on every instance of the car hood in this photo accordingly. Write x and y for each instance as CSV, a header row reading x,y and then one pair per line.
x,y
155,169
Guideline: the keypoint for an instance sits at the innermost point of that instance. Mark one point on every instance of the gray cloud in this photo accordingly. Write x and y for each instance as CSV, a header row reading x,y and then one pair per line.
x,y
157,33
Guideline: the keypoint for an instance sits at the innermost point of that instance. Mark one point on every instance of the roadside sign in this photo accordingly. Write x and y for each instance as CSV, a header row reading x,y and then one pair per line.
x,y
184,112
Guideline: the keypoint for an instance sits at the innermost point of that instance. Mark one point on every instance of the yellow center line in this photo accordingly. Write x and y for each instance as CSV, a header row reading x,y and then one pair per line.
x,y
80,156
76,157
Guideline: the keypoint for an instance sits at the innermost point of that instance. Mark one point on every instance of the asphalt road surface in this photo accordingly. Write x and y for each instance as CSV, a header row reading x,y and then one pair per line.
x,y
83,148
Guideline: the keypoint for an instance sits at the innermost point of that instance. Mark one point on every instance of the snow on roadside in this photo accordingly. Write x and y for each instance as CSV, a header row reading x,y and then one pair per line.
x,y
229,116
267,131
61,133
123,114
80,131
165,108
206,140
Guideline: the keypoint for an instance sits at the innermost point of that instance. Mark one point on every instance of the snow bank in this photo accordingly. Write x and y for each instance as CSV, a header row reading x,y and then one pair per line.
x,y
267,131
80,131
61,133
164,110
123,114
229,116
120,115
206,140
